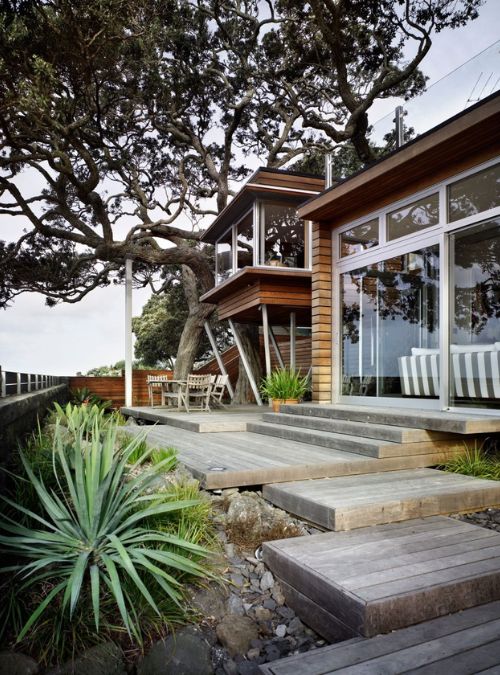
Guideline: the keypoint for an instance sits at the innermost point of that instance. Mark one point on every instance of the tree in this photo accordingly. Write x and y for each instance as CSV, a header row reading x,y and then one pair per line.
x,y
126,121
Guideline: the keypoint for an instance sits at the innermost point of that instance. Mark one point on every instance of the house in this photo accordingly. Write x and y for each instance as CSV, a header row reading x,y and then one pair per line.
x,y
398,274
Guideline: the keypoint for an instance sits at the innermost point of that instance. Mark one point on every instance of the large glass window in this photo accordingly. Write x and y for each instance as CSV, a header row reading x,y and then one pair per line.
x,y
414,217
359,238
475,315
284,236
244,241
390,327
225,256
474,194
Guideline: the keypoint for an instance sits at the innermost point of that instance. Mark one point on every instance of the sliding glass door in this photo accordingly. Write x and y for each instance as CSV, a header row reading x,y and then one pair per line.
x,y
390,327
475,315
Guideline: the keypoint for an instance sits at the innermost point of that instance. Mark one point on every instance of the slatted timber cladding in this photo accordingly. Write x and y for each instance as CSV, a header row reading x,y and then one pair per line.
x,y
321,307
113,388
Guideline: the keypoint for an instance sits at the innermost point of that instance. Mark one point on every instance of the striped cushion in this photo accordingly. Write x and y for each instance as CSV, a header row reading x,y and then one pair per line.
x,y
474,375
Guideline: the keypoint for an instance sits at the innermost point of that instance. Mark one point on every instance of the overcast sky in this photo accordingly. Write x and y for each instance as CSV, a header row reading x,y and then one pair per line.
x,y
71,338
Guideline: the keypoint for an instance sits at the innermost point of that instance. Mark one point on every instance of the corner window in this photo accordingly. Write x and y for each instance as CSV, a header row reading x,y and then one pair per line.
x,y
225,256
414,217
474,194
244,241
284,236
359,238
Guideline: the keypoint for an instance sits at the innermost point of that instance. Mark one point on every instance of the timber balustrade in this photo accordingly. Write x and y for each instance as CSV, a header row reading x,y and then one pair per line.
x,y
14,383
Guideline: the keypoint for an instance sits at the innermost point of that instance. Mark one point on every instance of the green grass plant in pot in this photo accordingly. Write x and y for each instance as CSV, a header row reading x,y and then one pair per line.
x,y
284,385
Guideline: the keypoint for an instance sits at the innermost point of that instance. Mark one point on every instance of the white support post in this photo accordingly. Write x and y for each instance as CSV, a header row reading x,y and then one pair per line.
x,y
293,330
18,383
276,347
246,365
128,332
29,381
218,358
265,328
3,384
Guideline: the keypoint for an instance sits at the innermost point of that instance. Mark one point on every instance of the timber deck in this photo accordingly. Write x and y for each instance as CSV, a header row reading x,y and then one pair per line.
x,y
383,578
229,419
235,459
460,644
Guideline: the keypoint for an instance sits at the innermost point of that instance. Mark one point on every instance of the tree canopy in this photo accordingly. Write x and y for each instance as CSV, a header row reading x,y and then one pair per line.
x,y
124,122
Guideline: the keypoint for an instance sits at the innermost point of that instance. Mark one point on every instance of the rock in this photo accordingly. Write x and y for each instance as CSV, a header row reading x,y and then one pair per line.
x,y
286,612
277,594
263,614
280,630
267,581
253,653
237,579
248,668
269,604
235,605
229,550
295,626
131,422
236,633
186,652
103,659
230,667
12,663
210,602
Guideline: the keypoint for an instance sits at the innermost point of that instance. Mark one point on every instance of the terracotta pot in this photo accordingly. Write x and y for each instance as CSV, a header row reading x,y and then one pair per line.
x,y
290,401
276,403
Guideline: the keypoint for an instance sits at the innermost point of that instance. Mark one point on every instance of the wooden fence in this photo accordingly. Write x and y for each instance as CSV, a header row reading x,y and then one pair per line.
x,y
113,388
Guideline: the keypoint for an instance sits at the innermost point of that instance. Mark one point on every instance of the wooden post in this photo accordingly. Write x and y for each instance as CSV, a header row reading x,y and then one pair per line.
x,y
293,330
128,332
246,365
218,357
276,347
265,328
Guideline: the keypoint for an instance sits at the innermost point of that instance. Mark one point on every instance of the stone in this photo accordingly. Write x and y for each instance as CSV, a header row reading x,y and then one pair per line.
x,y
186,652
295,626
131,422
103,659
269,603
230,667
235,605
248,668
253,653
12,663
229,550
267,581
286,612
237,579
263,614
278,596
210,602
236,633
280,630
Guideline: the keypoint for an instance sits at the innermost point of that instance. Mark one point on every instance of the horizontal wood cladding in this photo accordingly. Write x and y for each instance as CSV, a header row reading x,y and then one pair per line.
x,y
321,313
288,180
113,388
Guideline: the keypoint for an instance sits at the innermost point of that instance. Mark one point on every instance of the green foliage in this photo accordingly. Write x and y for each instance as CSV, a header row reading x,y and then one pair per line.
x,y
84,396
90,547
144,453
284,383
475,461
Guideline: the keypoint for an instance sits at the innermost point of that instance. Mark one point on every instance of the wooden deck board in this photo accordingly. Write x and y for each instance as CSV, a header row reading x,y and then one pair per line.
x,y
252,459
344,502
463,643
230,419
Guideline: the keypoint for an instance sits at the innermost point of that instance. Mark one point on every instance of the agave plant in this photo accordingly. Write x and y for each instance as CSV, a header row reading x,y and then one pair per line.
x,y
91,533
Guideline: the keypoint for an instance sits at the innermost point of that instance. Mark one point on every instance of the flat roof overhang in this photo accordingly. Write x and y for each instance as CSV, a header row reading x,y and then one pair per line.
x,y
263,184
282,290
476,129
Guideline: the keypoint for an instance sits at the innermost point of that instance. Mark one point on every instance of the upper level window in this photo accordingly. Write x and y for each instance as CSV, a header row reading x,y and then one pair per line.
x,y
284,236
359,238
414,217
474,194
244,241
225,256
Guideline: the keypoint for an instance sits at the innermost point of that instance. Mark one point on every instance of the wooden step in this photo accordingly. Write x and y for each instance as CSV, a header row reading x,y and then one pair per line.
x,y
378,579
370,447
348,502
384,432
460,644
433,420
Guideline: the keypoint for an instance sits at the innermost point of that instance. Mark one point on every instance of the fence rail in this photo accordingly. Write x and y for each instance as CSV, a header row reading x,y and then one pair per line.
x,y
13,383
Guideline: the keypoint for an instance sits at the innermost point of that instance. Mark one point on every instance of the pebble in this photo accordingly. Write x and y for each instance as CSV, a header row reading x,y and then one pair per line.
x,y
280,630
267,581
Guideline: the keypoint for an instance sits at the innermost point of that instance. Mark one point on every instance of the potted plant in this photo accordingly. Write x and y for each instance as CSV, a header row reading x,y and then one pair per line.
x,y
284,385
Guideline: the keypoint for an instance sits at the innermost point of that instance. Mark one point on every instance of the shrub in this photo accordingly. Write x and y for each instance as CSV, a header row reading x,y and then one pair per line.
x,y
91,541
84,396
283,384
475,461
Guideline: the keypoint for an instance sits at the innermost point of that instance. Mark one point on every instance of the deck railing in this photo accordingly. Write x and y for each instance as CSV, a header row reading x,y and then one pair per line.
x,y
13,383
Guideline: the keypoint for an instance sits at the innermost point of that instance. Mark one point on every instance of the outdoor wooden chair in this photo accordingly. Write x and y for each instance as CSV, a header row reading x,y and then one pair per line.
x,y
218,389
195,393
155,386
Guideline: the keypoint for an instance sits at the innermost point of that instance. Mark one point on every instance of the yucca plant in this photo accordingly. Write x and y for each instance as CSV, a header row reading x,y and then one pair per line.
x,y
92,534
283,384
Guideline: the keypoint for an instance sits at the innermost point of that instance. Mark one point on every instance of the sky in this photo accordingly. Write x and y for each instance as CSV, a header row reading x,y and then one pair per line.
x,y
74,338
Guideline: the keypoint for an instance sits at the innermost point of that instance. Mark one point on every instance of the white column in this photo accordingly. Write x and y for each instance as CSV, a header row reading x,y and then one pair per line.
x,y
265,328
128,332
293,330
246,365
218,358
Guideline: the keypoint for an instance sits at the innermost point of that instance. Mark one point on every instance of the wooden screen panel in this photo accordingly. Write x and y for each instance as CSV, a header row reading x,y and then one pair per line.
x,y
113,388
321,304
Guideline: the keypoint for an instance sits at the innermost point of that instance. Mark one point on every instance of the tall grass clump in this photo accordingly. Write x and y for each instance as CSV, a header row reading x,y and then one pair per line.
x,y
97,550
475,461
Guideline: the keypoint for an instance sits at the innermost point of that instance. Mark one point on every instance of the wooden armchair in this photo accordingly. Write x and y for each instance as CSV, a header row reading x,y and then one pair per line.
x,y
218,389
195,393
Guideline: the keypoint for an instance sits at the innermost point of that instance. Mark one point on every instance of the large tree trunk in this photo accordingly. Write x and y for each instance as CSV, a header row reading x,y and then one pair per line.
x,y
192,333
249,336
